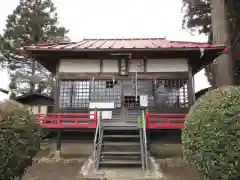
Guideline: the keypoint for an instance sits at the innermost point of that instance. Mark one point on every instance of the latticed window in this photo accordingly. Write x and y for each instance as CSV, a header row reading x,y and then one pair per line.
x,y
81,93
78,94
171,93
65,94
106,91
74,94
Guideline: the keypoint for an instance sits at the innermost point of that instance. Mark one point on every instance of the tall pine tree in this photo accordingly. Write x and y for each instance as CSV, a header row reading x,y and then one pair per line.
x,y
32,22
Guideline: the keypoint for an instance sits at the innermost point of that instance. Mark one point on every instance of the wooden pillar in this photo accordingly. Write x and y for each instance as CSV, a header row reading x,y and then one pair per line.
x,y
193,88
59,140
221,35
56,90
190,87
56,95
56,110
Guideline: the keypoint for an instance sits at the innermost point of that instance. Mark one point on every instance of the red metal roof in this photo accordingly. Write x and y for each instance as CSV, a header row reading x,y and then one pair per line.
x,y
138,43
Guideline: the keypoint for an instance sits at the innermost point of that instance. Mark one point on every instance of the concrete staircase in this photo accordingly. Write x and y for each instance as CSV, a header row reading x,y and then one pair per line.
x,y
121,141
121,146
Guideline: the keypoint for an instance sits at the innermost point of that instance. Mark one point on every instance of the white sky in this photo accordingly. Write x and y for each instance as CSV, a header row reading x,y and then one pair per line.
x,y
117,19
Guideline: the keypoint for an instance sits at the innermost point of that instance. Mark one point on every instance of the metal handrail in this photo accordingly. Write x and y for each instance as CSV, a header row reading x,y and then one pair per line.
x,y
97,131
145,137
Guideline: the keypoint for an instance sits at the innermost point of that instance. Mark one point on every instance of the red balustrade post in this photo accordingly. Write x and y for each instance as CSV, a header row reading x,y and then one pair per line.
x,y
58,120
168,123
147,118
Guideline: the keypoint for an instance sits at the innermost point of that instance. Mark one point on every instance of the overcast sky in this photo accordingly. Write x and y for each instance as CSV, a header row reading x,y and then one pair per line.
x,y
117,18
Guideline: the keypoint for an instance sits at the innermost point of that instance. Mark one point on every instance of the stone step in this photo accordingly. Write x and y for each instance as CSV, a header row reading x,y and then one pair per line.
x,y
123,128
120,153
122,158
120,162
121,144
121,136
120,149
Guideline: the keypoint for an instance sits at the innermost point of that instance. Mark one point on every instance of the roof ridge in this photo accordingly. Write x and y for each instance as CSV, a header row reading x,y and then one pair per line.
x,y
179,41
135,38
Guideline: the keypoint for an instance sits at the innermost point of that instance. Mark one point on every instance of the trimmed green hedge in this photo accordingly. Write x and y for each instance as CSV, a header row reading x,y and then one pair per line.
x,y
211,136
19,139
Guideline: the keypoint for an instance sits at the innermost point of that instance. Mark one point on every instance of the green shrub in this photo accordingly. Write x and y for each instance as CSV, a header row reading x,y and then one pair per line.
x,y
19,139
211,136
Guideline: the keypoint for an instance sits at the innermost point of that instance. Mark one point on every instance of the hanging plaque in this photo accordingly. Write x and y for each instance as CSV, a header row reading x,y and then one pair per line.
x,y
123,67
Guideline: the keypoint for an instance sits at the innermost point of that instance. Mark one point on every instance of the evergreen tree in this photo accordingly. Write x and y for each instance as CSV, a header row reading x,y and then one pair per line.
x,y
3,46
1,51
197,18
32,22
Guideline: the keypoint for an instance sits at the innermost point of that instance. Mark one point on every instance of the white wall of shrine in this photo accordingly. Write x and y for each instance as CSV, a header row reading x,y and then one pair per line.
x,y
166,65
132,65
111,66
76,65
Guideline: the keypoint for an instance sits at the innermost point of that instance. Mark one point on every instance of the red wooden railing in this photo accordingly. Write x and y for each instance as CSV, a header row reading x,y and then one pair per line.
x,y
89,120
68,120
165,121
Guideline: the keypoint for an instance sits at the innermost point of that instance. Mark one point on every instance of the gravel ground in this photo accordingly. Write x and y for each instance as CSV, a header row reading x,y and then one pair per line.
x,y
180,173
54,171
69,171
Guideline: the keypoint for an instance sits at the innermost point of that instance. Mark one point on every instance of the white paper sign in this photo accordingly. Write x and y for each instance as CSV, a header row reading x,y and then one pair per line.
x,y
102,105
144,100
